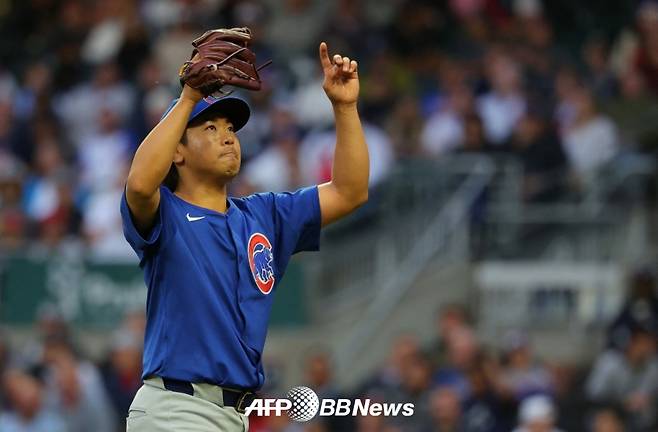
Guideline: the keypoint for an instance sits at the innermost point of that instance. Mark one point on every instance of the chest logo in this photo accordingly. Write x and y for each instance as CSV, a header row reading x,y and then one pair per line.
x,y
260,256
194,218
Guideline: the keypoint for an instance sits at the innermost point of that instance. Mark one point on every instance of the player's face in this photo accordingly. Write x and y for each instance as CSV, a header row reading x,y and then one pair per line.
x,y
213,148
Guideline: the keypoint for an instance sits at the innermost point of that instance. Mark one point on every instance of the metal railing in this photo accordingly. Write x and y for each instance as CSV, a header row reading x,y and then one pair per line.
x,y
467,208
588,225
354,266
406,251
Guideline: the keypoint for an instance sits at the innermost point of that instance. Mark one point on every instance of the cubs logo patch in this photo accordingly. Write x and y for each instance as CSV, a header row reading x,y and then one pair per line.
x,y
210,99
260,256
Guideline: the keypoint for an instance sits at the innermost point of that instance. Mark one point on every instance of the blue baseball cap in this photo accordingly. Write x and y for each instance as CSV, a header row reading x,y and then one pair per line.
x,y
235,110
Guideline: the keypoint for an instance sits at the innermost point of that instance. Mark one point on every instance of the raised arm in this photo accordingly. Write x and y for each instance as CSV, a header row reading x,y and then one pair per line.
x,y
348,188
153,160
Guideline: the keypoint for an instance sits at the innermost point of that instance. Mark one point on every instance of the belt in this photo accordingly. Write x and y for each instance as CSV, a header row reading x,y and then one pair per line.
x,y
238,399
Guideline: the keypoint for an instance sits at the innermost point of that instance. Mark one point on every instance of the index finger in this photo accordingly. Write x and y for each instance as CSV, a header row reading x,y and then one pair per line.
x,y
324,56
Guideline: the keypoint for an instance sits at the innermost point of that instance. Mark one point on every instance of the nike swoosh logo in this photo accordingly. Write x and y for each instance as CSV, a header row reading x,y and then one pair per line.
x,y
194,218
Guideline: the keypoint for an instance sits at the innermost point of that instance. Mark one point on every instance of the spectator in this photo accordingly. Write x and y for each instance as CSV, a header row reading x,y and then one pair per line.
x,y
403,349
474,139
628,379
80,109
102,226
381,89
277,168
450,319
319,374
47,194
640,309
462,354
445,411
13,222
122,373
537,414
9,129
483,410
404,127
522,375
603,81
503,106
32,98
173,47
317,153
444,131
646,56
634,113
28,413
592,141
539,150
414,387
75,387
606,420
566,84
105,153
303,16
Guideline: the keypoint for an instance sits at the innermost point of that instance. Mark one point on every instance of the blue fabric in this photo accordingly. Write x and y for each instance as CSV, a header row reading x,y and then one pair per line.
x,y
211,281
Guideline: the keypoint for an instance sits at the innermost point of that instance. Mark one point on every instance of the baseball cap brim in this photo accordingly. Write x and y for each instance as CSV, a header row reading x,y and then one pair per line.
x,y
235,110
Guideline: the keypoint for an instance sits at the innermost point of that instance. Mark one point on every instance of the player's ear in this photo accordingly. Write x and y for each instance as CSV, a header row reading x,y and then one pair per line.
x,y
178,154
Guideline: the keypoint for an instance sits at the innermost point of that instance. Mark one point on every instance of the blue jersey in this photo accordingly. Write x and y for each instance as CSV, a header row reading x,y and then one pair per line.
x,y
211,278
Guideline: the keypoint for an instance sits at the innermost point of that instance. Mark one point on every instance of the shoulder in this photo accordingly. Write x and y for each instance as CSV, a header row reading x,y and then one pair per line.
x,y
262,200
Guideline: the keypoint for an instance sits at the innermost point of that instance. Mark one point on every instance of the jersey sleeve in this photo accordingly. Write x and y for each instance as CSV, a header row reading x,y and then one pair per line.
x,y
145,244
298,219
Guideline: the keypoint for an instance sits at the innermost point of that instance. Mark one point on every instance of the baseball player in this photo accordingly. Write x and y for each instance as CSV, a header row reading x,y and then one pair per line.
x,y
212,262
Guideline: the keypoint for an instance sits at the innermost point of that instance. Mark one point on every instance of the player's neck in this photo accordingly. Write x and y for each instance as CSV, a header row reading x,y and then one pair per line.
x,y
210,196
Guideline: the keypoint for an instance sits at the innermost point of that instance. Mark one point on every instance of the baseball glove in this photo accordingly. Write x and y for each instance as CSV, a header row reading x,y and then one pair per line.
x,y
221,57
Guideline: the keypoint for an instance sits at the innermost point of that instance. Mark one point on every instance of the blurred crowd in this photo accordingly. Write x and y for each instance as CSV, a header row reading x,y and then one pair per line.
x,y
50,385
459,383
456,381
566,88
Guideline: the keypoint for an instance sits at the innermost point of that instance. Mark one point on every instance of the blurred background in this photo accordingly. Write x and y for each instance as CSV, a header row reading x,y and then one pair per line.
x,y
502,275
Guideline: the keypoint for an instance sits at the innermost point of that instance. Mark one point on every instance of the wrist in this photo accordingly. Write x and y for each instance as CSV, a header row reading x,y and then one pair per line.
x,y
184,101
190,95
344,107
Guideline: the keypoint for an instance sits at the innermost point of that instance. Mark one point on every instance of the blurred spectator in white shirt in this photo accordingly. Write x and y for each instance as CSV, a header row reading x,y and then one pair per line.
x,y
444,130
103,153
277,168
502,107
592,140
537,414
41,198
102,226
628,378
104,162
